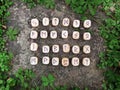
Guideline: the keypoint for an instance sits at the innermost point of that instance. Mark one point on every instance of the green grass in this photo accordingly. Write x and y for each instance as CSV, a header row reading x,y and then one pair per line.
x,y
12,33
84,6
47,3
30,3
110,59
5,57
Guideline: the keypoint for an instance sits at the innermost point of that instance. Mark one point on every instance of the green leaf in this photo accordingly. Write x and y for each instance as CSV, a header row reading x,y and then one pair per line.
x,y
1,81
7,87
68,1
44,79
51,78
7,14
62,88
12,33
11,82
45,84
92,10
50,4
102,54
26,85
86,88
104,86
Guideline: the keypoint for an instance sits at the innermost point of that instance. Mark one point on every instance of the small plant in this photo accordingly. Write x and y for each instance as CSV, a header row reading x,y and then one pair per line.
x,y
83,6
23,78
4,5
49,80
31,3
86,88
110,59
5,61
2,44
47,3
75,88
10,83
12,33
112,81
1,32
50,4
62,88
109,5
111,33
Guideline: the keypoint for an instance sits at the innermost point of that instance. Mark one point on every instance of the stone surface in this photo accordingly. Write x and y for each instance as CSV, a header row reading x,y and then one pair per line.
x,y
80,76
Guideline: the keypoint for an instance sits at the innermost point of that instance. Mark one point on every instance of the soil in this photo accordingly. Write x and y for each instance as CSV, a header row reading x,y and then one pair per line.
x,y
80,76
